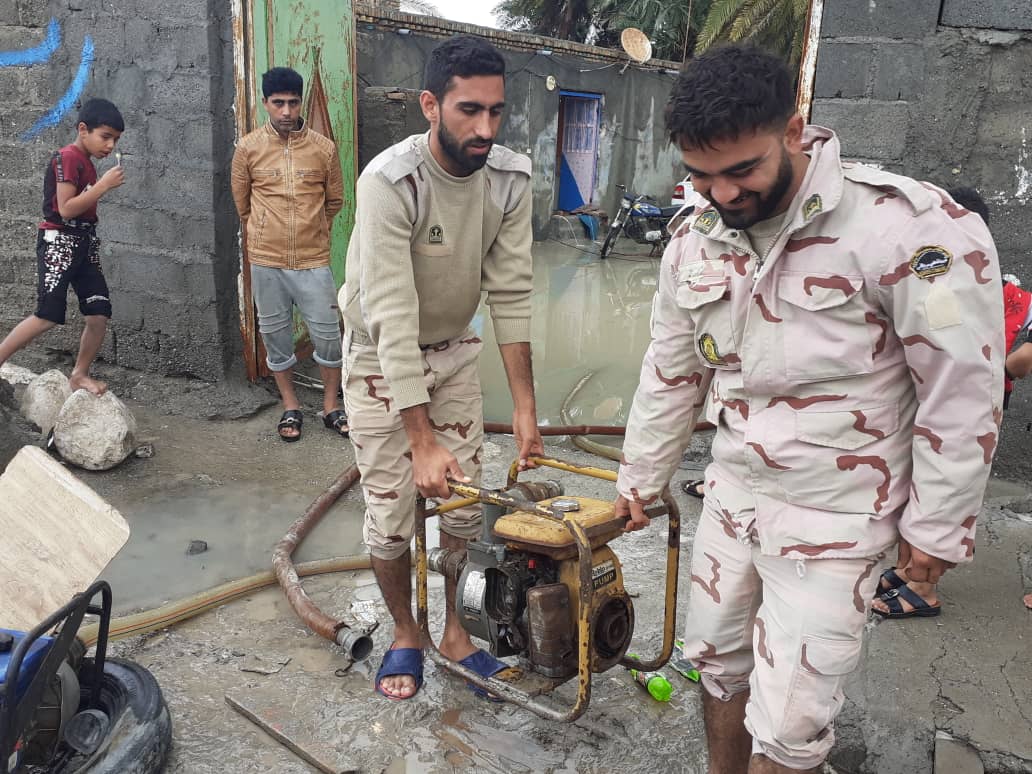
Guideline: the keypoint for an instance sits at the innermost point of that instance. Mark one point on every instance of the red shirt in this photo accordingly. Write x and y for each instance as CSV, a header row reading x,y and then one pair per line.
x,y
68,165
1016,303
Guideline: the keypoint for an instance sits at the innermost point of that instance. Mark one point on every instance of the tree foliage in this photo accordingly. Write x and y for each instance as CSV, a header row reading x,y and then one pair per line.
x,y
600,22
675,27
777,25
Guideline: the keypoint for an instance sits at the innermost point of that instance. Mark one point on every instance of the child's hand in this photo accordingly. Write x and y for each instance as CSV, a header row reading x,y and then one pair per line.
x,y
113,178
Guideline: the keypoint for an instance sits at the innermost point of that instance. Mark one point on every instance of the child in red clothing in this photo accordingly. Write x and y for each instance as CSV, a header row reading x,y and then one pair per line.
x,y
67,248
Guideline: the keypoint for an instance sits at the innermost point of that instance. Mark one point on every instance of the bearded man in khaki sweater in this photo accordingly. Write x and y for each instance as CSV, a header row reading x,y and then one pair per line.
x,y
440,218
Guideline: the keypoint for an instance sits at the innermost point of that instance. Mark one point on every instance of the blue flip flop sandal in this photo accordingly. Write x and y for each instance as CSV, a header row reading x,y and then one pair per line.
x,y
486,665
397,662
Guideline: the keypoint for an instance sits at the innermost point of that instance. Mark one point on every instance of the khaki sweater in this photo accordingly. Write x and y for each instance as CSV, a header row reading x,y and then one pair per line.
x,y
424,248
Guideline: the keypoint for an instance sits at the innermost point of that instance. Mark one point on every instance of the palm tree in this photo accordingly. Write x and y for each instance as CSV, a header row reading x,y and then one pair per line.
x,y
671,25
421,7
778,25
566,19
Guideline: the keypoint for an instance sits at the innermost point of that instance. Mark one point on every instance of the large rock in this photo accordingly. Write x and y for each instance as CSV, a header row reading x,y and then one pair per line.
x,y
94,433
16,374
15,431
43,398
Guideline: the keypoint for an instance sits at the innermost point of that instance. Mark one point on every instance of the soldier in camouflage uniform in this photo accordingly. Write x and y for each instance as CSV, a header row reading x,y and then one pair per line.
x,y
847,325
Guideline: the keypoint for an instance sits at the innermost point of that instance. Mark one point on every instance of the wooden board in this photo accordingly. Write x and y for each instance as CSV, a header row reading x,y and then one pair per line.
x,y
57,536
278,720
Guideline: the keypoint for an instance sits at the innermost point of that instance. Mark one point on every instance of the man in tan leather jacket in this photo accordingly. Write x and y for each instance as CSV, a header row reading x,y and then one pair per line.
x,y
847,324
287,185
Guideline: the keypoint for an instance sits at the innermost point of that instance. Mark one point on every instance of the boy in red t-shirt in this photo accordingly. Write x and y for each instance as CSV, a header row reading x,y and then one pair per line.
x,y
67,248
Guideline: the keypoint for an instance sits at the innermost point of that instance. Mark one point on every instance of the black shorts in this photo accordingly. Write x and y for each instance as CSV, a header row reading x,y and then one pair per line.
x,y
70,258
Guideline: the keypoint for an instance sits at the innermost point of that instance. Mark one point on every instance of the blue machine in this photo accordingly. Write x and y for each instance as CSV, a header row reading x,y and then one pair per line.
x,y
30,664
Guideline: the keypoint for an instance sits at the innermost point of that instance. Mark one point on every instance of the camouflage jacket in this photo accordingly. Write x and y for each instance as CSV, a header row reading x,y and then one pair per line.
x,y
855,376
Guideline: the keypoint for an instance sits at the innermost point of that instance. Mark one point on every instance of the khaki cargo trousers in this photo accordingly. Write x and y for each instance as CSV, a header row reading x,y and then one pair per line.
x,y
381,445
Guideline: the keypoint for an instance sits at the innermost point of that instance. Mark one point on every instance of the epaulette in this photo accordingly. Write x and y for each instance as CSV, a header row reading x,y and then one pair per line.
x,y
917,195
505,160
398,161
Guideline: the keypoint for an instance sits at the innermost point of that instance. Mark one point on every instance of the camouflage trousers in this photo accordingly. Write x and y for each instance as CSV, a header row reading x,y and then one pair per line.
x,y
788,631
382,447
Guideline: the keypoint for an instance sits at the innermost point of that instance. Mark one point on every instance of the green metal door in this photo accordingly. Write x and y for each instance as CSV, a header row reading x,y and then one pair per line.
x,y
316,38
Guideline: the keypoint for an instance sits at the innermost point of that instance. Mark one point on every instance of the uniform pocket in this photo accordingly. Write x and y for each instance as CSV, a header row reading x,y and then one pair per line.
x,y
845,461
433,251
708,303
815,695
828,312
848,430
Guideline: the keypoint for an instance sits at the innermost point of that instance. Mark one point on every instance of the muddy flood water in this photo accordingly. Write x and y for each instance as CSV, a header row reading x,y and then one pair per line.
x,y
590,319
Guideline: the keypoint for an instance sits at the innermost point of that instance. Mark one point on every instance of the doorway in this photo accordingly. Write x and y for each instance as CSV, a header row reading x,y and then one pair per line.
x,y
580,114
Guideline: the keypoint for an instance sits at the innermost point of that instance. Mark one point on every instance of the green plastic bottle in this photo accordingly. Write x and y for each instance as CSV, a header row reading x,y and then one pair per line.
x,y
683,666
655,683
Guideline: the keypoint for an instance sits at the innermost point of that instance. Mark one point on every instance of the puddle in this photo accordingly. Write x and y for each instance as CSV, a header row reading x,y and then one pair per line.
x,y
590,316
240,523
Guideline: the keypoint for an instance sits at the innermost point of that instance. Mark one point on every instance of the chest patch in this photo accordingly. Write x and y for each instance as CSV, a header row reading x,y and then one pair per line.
x,y
436,235
812,206
931,261
708,347
706,221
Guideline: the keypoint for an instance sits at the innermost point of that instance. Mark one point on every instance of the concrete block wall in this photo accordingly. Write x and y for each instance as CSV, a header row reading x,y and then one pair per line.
x,y
169,234
940,101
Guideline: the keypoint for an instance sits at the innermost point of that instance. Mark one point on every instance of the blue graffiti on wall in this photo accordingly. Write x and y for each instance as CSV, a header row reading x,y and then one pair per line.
x,y
41,55
38,54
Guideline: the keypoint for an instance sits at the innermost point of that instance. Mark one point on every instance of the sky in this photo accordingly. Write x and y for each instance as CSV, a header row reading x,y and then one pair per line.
x,y
469,11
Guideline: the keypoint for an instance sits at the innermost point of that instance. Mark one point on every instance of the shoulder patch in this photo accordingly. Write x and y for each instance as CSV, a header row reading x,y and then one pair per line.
x,y
812,206
931,261
505,160
706,221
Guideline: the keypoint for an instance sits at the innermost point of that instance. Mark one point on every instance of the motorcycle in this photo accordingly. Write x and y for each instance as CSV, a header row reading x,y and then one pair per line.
x,y
641,220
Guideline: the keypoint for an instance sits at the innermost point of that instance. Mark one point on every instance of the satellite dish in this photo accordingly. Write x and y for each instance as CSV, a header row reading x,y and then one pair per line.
x,y
637,45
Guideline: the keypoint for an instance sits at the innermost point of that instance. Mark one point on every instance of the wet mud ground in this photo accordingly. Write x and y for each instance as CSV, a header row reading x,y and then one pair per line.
x,y
230,482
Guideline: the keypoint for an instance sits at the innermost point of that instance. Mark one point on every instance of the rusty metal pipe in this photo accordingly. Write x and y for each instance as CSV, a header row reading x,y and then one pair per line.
x,y
356,644
501,427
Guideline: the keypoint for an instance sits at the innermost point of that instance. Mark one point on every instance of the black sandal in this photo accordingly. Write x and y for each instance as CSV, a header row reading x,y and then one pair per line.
x,y
921,609
291,418
891,577
694,488
337,421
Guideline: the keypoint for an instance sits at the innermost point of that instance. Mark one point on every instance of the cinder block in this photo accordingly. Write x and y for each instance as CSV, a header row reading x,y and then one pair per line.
x,y
886,18
127,86
190,44
992,14
9,13
900,71
867,129
842,69
20,37
33,13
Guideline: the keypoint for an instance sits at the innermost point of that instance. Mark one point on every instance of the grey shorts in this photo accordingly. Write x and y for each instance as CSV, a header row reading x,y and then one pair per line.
x,y
276,292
